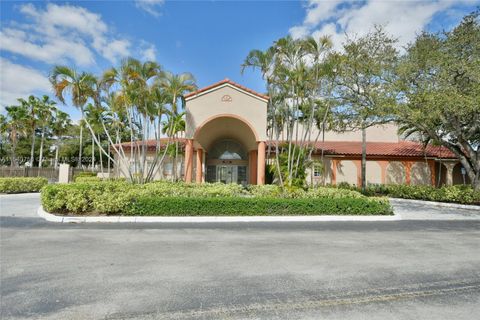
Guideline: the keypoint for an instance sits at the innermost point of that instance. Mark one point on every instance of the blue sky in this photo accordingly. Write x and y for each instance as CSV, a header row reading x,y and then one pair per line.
x,y
207,38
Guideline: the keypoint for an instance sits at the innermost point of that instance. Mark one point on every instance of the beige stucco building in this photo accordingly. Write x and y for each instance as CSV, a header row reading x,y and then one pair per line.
x,y
226,140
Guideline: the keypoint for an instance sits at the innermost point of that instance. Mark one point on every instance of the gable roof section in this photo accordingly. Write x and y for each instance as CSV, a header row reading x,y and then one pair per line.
x,y
225,82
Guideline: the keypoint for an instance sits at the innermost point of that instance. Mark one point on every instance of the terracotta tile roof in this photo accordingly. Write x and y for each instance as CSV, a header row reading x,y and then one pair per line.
x,y
225,81
387,149
354,148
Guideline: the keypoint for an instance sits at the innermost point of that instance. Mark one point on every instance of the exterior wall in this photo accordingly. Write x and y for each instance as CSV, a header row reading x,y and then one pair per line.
x,y
380,133
347,172
374,172
208,105
395,173
163,172
325,177
420,174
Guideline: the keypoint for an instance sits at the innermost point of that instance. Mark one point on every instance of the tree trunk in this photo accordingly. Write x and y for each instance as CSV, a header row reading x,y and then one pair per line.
x,y
364,159
100,153
56,155
32,150
40,158
93,153
79,162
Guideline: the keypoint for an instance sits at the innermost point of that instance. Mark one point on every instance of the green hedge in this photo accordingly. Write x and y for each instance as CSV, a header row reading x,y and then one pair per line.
x,y
457,194
114,197
174,206
84,174
83,179
19,185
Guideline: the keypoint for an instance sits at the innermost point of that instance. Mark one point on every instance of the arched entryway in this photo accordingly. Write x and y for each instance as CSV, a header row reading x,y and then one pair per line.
x,y
227,149
227,162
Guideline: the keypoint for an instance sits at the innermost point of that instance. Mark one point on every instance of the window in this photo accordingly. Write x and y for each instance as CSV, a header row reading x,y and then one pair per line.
x,y
317,170
227,150
168,168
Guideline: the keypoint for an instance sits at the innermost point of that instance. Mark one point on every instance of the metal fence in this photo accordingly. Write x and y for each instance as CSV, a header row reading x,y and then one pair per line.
x,y
50,173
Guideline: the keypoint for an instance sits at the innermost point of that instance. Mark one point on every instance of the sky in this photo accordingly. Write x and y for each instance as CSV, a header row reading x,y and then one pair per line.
x,y
210,39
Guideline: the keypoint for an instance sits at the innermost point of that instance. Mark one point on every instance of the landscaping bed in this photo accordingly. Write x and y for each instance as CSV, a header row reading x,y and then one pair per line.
x,y
22,185
181,199
452,194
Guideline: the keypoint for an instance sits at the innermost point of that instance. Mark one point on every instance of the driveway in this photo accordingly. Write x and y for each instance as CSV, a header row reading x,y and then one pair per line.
x,y
415,269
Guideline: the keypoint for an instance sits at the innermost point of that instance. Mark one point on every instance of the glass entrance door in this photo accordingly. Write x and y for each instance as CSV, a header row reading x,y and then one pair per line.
x,y
227,173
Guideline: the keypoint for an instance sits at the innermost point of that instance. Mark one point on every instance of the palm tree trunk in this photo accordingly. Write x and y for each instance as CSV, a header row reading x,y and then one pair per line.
x,y
57,147
40,158
32,150
93,153
100,153
79,162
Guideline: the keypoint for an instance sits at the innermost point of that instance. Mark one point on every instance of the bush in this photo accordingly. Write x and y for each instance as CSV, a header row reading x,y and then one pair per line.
x,y
175,206
84,174
19,185
119,197
458,194
83,179
273,191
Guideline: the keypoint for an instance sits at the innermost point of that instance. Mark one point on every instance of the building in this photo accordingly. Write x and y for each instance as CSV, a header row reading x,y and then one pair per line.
x,y
226,140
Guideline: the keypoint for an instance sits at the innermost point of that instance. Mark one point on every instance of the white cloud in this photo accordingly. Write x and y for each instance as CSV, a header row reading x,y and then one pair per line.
x,y
17,81
148,53
150,6
402,19
64,34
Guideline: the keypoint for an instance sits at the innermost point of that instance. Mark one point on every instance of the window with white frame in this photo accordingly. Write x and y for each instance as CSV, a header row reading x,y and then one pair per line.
x,y
317,170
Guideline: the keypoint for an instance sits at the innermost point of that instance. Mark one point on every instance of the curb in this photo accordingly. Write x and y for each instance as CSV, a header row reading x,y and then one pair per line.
x,y
121,219
438,204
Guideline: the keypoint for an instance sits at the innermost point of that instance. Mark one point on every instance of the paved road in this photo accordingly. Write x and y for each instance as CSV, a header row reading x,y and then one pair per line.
x,y
339,270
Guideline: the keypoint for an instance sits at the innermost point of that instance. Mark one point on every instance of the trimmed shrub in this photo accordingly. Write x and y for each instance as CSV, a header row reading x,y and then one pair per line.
x,y
274,191
83,179
458,194
119,197
174,206
19,185
84,174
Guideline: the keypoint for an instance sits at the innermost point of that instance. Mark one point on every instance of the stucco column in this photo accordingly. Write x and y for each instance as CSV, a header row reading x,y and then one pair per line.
x,y
383,167
252,163
261,163
431,165
199,166
408,170
188,160
449,175
334,171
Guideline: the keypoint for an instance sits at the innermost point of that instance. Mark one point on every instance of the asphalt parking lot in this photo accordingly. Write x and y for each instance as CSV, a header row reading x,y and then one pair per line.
x,y
410,269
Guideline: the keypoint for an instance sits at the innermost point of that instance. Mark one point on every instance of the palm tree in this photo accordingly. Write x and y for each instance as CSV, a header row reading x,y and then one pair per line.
x,y
32,105
176,86
60,126
133,79
172,127
80,86
16,126
46,107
